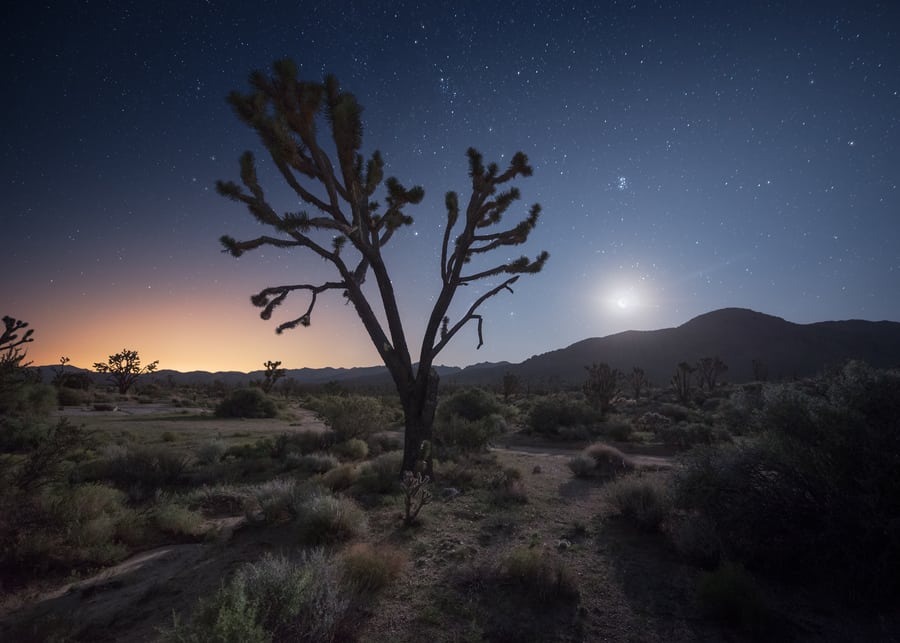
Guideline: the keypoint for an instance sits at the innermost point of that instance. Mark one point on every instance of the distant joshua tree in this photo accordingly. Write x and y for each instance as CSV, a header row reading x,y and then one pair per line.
x,y
272,375
602,386
12,365
348,230
709,370
511,384
638,381
681,382
760,371
124,368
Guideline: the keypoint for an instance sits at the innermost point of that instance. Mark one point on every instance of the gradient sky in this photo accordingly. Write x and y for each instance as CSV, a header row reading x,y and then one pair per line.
x,y
688,156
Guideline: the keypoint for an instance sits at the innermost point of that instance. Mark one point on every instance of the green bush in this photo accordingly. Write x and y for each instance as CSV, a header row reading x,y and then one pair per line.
x,y
456,434
276,501
471,404
312,463
368,568
540,574
816,485
211,451
381,475
274,599
583,466
176,519
550,415
302,442
141,469
352,449
340,478
322,519
642,499
350,416
247,403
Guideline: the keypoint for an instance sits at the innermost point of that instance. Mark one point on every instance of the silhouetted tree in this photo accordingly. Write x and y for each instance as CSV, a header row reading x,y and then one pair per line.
x,y
638,381
350,228
272,375
681,382
511,385
760,371
709,370
602,386
13,368
124,368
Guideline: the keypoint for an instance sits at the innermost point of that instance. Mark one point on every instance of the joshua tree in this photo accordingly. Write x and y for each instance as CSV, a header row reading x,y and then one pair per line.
x,y
638,381
12,368
681,382
124,368
602,386
709,370
272,375
511,384
349,229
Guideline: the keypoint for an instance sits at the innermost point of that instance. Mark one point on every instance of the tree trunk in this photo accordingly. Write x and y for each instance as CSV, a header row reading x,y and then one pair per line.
x,y
418,411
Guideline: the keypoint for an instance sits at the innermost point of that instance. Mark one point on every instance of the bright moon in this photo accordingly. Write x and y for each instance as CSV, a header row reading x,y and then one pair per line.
x,y
622,303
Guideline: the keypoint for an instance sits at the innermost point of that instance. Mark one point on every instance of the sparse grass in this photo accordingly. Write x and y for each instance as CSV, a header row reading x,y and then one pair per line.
x,y
369,568
540,574
642,499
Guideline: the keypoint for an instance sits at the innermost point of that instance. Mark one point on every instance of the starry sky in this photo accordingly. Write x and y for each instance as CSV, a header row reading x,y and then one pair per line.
x,y
688,156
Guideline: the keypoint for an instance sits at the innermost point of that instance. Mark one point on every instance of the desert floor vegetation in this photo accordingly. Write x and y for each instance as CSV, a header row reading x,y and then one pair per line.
x,y
772,516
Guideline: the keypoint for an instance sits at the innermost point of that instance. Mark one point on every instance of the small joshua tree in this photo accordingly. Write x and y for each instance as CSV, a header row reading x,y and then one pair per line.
x,y
709,370
12,368
601,386
415,495
124,368
510,385
638,381
272,375
681,382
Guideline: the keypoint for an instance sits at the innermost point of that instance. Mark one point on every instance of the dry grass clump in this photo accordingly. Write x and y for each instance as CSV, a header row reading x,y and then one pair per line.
x,y
369,568
340,478
323,519
644,500
540,574
601,461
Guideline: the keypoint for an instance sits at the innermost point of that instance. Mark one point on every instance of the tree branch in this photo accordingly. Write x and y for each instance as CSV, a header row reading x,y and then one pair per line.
x,y
470,315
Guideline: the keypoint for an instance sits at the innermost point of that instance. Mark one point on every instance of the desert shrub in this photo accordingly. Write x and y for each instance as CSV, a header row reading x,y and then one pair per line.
x,y
352,449
312,463
675,412
541,574
220,500
142,469
583,466
261,448
457,434
323,519
350,416
340,478
652,422
471,404
170,436
686,435
550,415
66,396
454,473
643,500
176,519
695,538
381,474
274,599
816,493
247,403
731,595
369,568
27,398
383,442
211,451
276,501
609,462
507,486
302,442
618,431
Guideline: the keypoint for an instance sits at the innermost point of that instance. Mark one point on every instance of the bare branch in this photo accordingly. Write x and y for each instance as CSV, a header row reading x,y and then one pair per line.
x,y
470,315
270,298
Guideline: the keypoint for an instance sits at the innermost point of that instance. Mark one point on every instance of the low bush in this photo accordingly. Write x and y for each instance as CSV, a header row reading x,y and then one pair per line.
x,y
312,463
350,416
369,568
540,574
470,404
141,470
247,403
457,434
276,501
302,442
274,599
609,462
340,478
507,486
583,466
549,415
380,475
324,519
352,449
176,519
643,500
211,451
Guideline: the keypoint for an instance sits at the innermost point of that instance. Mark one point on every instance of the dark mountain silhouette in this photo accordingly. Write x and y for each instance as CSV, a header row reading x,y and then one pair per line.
x,y
738,336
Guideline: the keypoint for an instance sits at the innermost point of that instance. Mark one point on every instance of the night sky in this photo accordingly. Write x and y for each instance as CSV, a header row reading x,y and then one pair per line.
x,y
688,156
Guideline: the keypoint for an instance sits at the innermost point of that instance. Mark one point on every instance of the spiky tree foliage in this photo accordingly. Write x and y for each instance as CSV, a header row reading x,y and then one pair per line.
x,y
681,382
13,368
638,381
709,369
348,228
601,386
272,374
124,368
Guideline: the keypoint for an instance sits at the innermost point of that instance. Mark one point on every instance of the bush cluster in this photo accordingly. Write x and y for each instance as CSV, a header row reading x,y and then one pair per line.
x,y
551,415
350,416
247,403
